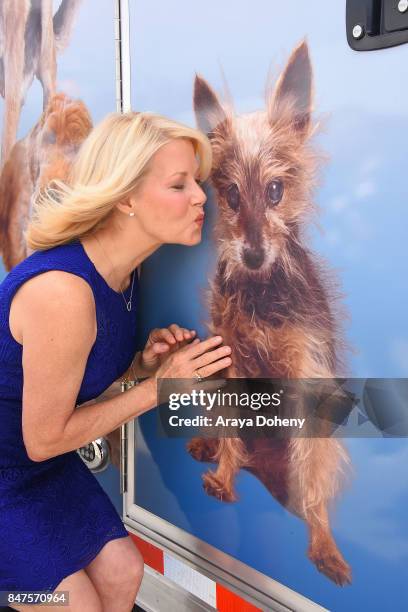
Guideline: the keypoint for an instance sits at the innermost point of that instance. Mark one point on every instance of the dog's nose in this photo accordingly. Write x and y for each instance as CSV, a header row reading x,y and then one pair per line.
x,y
253,258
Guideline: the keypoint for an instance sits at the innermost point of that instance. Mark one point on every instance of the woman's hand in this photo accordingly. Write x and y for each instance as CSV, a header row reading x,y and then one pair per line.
x,y
161,343
205,357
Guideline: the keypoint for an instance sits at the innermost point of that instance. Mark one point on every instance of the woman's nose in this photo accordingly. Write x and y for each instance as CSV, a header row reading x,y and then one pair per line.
x,y
200,197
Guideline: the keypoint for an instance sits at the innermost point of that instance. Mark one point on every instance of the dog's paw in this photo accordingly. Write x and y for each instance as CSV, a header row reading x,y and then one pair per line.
x,y
202,449
213,486
330,562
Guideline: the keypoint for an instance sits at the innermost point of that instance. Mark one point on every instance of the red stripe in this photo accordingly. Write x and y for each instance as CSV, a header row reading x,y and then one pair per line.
x,y
226,600
230,602
152,555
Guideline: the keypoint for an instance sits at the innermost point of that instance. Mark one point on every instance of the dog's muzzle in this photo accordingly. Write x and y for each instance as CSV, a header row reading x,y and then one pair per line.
x,y
253,258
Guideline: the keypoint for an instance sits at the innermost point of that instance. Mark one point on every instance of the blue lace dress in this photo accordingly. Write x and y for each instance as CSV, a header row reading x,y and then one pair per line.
x,y
54,515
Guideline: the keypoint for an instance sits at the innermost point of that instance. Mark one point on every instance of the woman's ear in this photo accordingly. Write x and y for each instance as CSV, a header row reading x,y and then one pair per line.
x,y
126,206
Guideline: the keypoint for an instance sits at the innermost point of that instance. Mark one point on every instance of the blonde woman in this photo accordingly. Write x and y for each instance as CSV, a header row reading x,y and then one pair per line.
x,y
67,332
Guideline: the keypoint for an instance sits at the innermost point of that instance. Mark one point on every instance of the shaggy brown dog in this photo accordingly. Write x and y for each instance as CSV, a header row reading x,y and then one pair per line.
x,y
30,37
45,153
271,300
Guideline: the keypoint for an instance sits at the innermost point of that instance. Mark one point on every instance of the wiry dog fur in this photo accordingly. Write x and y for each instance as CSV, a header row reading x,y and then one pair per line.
x,y
30,38
271,299
45,153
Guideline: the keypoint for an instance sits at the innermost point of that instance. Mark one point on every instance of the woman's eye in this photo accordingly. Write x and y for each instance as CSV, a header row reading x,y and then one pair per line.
x,y
179,187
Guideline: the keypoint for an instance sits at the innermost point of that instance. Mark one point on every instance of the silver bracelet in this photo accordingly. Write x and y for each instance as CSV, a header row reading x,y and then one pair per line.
x,y
127,383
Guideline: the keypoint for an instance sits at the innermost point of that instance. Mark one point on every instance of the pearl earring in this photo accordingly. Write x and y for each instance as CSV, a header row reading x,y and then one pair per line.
x,y
132,214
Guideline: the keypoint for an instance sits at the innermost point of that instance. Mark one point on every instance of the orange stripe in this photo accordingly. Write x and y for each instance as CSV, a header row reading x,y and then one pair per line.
x,y
230,602
152,555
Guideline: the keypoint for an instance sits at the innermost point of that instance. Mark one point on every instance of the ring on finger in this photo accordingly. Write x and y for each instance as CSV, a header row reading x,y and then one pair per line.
x,y
198,376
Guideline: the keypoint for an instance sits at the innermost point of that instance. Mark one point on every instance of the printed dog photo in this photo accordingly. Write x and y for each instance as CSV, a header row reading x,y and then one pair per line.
x,y
31,37
272,299
46,153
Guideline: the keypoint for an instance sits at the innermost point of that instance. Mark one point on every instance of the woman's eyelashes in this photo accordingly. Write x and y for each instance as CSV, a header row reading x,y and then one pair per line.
x,y
181,187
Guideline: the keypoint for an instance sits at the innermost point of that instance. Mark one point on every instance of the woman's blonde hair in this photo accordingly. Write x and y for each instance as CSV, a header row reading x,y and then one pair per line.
x,y
110,164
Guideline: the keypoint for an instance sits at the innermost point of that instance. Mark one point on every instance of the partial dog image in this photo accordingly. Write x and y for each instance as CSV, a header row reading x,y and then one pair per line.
x,y
271,299
45,153
30,38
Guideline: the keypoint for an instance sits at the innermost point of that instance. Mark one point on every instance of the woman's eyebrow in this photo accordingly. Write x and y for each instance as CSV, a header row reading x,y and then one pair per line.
x,y
184,173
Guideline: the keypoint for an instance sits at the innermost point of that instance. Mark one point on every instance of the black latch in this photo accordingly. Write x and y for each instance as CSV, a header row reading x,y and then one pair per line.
x,y
376,24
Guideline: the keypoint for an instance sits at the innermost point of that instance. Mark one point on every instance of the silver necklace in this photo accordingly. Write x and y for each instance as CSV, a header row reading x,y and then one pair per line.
x,y
129,303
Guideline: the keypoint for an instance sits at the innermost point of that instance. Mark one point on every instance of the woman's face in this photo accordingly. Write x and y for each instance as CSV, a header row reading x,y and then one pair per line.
x,y
169,201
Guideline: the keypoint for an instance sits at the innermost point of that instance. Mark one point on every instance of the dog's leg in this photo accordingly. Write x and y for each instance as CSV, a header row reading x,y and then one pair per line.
x,y
47,67
64,20
323,551
269,463
14,22
314,469
203,449
231,456
229,453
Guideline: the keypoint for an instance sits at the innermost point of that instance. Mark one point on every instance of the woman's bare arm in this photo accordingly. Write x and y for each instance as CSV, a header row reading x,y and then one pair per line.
x,y
93,421
54,314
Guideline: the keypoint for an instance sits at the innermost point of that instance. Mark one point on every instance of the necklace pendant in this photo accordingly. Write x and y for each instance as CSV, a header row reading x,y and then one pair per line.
x,y
129,305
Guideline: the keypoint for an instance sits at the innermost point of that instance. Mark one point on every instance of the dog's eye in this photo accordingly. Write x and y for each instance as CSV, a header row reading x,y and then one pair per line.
x,y
232,195
275,192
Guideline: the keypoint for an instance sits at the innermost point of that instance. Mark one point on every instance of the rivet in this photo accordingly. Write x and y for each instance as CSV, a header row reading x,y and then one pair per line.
x,y
358,31
403,6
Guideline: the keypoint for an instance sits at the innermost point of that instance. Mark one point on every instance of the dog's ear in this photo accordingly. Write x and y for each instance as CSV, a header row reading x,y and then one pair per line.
x,y
294,91
208,110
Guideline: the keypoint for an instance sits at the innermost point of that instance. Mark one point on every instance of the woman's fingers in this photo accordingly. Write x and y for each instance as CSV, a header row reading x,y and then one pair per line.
x,y
152,351
173,334
160,347
177,332
162,334
181,333
215,366
211,356
205,355
198,347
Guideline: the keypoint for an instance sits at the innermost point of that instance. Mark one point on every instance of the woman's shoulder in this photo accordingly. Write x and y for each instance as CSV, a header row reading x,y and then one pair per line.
x,y
60,266
66,257
58,283
54,298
